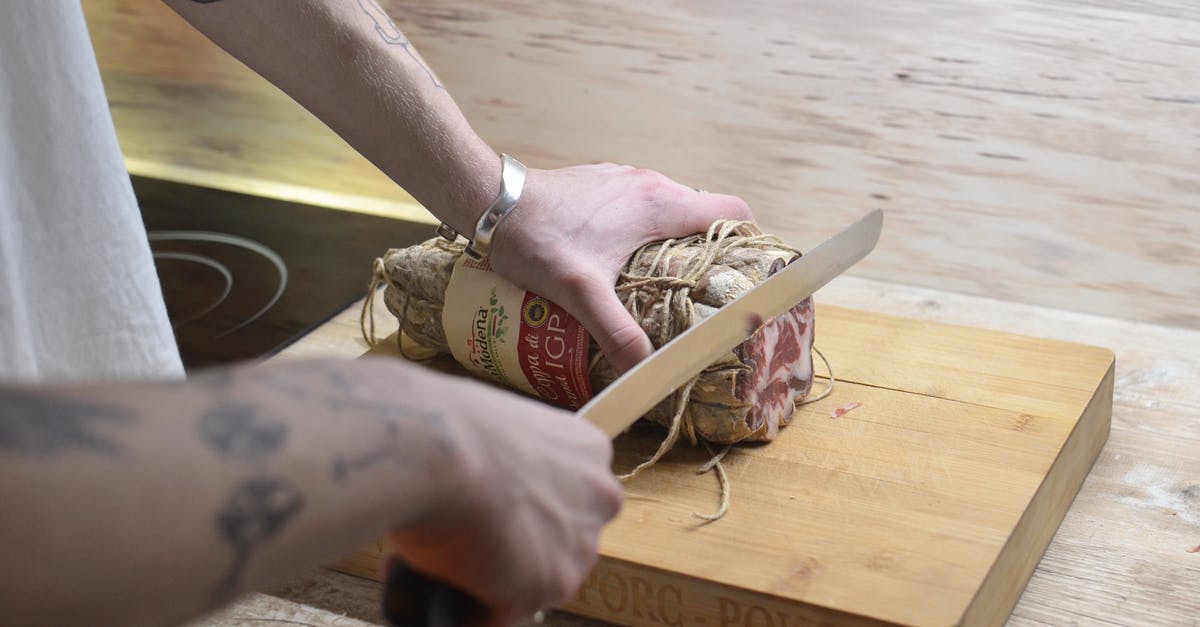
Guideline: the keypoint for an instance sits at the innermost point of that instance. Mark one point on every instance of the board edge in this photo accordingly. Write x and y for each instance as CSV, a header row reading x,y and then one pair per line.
x,y
1005,582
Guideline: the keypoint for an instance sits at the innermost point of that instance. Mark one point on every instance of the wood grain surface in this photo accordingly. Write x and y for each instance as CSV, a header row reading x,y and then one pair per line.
x,y
1034,151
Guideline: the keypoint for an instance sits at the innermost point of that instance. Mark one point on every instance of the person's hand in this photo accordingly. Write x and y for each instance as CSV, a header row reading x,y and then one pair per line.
x,y
575,228
522,531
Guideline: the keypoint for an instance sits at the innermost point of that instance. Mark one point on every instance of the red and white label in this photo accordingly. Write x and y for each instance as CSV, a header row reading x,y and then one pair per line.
x,y
516,338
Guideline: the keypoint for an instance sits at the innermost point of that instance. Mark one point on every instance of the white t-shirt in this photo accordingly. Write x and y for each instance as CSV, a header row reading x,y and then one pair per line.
x,y
79,296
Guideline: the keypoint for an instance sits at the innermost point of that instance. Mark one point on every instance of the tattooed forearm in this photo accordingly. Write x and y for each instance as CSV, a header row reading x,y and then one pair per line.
x,y
343,466
334,393
244,433
339,392
391,34
387,30
238,433
40,425
261,505
256,511
343,396
396,417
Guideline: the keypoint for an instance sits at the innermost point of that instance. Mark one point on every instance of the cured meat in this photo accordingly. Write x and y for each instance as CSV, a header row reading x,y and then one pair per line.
x,y
749,394
778,374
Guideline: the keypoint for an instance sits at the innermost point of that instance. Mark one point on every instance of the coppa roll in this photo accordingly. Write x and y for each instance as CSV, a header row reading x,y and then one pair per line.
x,y
747,395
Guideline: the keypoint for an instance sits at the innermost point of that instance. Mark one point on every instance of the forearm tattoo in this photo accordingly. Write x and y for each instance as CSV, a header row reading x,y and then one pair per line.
x,y
41,425
254,513
237,433
342,395
389,450
261,506
387,30
391,34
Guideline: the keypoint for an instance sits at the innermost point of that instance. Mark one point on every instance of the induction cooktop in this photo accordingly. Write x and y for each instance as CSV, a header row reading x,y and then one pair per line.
x,y
245,276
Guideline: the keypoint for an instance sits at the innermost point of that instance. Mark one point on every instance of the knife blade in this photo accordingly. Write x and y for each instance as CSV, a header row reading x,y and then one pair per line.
x,y
411,599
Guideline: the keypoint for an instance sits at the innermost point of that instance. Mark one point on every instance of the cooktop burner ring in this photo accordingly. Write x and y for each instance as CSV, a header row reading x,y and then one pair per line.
x,y
229,239
276,269
208,262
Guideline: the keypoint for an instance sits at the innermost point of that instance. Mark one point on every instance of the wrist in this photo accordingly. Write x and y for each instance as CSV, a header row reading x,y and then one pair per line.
x,y
396,457
444,446
474,188
512,184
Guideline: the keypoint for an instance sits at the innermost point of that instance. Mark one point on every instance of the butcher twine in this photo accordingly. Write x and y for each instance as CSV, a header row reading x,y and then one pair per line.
x,y
651,287
654,286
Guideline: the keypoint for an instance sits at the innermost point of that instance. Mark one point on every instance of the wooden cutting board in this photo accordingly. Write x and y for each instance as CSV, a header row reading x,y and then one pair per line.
x,y
930,504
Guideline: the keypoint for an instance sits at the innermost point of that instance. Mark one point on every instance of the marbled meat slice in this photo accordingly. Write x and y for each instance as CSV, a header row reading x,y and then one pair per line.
x,y
780,370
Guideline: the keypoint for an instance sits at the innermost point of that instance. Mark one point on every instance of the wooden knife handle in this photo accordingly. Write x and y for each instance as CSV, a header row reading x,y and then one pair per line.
x,y
411,599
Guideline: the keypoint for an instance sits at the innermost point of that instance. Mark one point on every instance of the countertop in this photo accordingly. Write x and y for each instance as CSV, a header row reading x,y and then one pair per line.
x,y
1037,161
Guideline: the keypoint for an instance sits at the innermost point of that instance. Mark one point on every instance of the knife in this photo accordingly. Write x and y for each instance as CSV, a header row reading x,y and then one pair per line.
x,y
410,598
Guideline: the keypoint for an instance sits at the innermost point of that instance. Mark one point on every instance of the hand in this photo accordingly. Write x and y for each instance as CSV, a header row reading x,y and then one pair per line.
x,y
521,532
575,228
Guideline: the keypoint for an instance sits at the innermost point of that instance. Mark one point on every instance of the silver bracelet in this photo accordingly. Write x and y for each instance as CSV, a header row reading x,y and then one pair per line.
x,y
512,182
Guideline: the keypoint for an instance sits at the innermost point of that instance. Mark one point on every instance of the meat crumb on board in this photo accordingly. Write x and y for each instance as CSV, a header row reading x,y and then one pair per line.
x,y
845,409
1195,549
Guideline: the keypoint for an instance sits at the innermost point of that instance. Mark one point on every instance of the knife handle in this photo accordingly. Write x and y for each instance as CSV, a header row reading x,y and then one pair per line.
x,y
411,599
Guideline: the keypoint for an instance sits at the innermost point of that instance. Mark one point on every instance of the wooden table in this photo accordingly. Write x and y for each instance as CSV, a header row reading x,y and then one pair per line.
x,y
1038,160
1041,152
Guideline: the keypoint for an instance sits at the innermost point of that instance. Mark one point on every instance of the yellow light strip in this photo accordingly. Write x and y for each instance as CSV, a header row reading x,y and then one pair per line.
x,y
404,210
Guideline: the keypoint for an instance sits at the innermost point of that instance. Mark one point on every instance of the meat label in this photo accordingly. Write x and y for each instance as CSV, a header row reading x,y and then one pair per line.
x,y
518,339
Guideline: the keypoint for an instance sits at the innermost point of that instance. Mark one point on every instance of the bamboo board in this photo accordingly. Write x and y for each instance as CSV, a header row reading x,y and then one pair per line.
x,y
930,504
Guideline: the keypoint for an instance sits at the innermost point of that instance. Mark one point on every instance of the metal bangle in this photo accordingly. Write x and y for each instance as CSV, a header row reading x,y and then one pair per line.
x,y
512,182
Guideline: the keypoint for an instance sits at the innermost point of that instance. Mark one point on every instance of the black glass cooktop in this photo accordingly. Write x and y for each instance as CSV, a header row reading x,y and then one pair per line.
x,y
245,276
